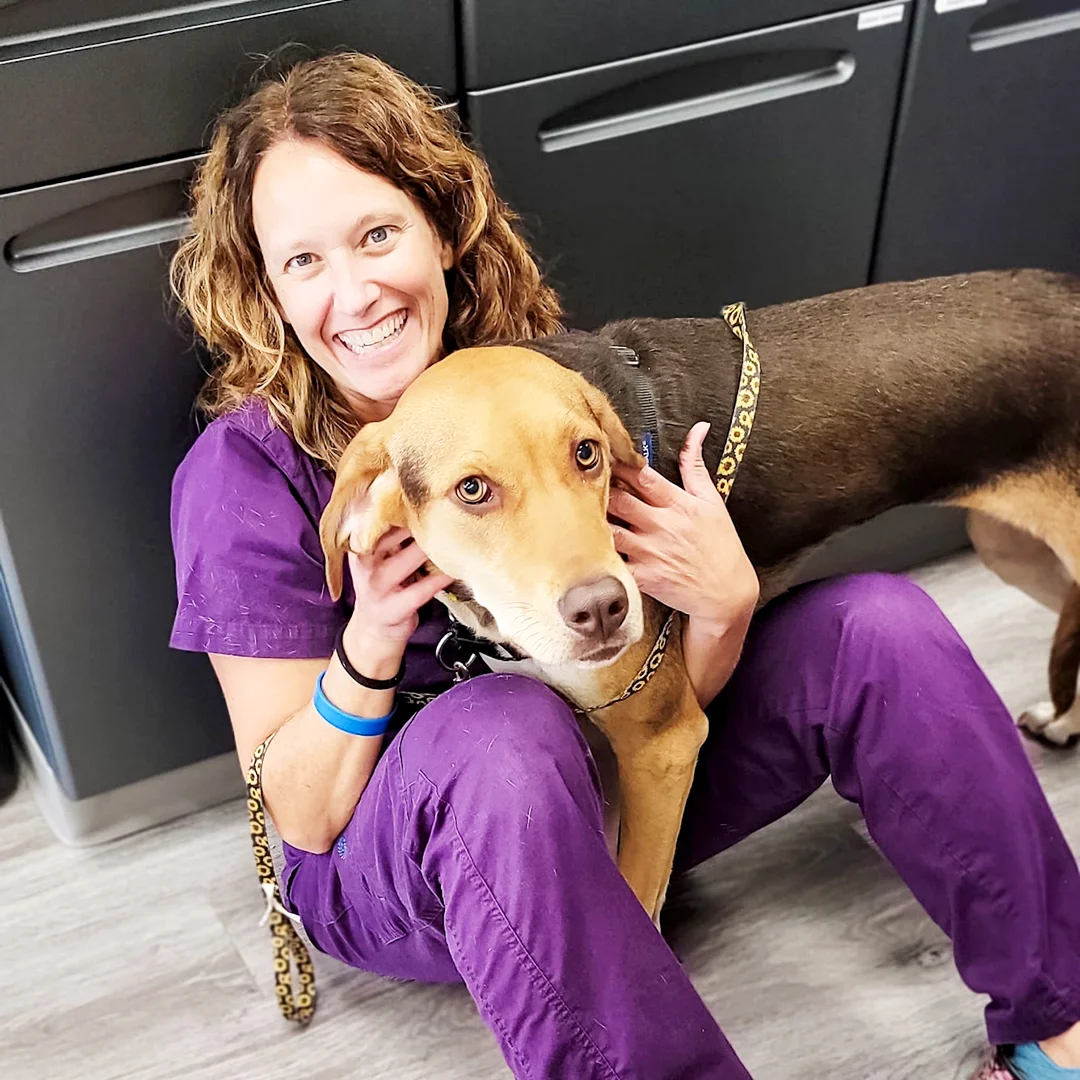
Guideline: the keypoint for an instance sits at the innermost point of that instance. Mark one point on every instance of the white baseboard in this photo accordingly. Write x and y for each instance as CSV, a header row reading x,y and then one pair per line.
x,y
129,809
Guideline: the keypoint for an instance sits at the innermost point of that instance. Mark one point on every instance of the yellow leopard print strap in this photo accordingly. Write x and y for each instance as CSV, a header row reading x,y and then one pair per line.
x,y
287,942
742,416
648,669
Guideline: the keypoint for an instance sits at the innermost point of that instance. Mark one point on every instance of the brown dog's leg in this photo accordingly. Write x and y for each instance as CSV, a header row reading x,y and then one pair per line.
x,y
1019,559
1065,654
1058,721
656,768
1026,527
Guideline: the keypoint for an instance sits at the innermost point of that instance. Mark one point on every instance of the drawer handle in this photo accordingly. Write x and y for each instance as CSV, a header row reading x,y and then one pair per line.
x,y
86,32
25,259
634,121
999,35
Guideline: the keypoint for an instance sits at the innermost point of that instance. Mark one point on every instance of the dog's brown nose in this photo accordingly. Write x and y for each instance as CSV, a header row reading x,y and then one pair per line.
x,y
595,609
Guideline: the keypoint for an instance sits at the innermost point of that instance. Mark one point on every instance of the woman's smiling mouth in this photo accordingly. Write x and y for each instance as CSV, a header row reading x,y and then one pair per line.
x,y
361,342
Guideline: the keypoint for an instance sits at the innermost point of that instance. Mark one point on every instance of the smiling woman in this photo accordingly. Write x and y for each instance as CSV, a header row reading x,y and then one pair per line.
x,y
339,218
365,298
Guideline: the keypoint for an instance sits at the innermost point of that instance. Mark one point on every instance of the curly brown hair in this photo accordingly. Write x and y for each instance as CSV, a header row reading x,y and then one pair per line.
x,y
381,122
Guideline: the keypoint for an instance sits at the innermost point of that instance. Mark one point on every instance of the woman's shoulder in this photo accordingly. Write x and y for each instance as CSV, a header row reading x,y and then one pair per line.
x,y
246,449
244,434
246,481
246,502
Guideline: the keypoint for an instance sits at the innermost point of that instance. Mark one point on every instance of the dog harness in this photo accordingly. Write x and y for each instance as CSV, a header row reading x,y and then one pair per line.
x,y
291,954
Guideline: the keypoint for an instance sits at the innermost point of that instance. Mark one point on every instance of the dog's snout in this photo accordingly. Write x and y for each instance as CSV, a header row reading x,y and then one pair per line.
x,y
595,609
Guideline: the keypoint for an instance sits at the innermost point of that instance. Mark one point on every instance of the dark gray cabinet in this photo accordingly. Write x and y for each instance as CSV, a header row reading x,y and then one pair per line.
x,y
986,168
746,167
88,86
95,416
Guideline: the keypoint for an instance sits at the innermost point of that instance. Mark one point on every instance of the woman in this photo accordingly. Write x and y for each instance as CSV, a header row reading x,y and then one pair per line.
x,y
344,239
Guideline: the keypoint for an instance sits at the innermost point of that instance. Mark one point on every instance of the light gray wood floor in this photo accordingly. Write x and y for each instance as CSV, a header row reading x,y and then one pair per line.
x,y
143,959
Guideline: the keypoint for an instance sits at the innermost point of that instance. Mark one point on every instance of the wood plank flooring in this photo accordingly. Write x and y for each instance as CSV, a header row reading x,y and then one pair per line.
x,y
143,959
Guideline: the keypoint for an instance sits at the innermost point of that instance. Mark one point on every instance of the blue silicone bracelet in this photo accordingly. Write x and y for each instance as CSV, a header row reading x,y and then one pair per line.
x,y
343,721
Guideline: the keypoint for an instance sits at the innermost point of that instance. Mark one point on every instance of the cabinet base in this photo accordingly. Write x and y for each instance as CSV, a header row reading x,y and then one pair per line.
x,y
126,810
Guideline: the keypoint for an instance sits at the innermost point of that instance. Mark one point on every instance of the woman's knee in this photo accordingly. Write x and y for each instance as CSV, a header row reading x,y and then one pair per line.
x,y
873,610
505,728
819,649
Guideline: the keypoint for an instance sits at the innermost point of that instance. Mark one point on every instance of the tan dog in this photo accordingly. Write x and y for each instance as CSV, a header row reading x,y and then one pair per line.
x,y
959,390
512,503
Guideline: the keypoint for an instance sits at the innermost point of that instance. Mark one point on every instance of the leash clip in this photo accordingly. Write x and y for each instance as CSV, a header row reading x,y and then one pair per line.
x,y
458,667
270,894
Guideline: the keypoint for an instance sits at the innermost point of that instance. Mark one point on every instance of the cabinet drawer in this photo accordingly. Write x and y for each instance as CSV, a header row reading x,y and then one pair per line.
x,y
744,168
506,41
86,86
987,162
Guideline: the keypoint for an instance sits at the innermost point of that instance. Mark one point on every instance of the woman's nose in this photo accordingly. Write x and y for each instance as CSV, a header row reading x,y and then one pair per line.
x,y
354,289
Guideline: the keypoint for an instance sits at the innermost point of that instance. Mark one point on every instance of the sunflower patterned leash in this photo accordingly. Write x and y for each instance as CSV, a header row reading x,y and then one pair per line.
x,y
742,420
290,953
289,950
746,400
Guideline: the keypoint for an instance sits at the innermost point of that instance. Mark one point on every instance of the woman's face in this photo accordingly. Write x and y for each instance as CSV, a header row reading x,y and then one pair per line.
x,y
356,268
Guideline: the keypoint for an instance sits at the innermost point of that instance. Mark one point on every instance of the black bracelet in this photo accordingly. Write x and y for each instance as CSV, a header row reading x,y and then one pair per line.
x,y
363,680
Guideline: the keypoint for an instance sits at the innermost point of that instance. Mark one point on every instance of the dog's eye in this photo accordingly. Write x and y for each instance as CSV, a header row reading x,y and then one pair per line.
x,y
473,490
588,453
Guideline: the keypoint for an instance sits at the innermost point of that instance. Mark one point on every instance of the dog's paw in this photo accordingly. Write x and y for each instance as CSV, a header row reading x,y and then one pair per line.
x,y
1061,733
1043,724
1038,718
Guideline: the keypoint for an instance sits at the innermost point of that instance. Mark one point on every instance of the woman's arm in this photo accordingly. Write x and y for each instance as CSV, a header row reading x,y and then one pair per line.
x,y
314,774
712,649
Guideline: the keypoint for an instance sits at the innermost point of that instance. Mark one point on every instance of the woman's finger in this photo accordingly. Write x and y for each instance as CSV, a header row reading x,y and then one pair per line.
x,y
425,589
626,543
404,603
390,542
629,508
648,485
695,473
396,569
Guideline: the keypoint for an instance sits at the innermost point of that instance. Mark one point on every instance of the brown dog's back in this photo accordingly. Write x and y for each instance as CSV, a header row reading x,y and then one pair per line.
x,y
871,398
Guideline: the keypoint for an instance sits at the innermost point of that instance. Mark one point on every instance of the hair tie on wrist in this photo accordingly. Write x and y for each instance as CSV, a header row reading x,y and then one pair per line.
x,y
347,722
363,680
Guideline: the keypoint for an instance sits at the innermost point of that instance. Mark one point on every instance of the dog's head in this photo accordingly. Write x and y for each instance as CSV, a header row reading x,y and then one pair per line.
x,y
498,461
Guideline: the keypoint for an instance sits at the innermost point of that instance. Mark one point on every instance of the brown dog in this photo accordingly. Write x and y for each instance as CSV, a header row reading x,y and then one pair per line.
x,y
961,390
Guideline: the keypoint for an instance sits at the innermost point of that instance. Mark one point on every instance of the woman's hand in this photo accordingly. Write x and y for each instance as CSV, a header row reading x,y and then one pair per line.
x,y
682,549
389,593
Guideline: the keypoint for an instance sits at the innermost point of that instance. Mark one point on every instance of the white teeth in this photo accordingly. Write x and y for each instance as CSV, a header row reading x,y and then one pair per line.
x,y
359,340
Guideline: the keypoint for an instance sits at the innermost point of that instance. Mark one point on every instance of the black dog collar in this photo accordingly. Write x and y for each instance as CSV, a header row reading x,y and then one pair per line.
x,y
649,439
459,648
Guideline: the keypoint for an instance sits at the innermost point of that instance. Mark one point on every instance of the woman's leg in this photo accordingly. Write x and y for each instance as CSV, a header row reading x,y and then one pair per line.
x,y
862,678
477,852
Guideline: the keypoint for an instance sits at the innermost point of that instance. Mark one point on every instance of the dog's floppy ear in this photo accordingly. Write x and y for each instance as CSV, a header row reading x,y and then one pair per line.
x,y
622,446
366,501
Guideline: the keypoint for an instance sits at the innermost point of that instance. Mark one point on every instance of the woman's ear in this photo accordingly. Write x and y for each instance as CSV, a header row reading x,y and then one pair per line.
x,y
365,503
622,446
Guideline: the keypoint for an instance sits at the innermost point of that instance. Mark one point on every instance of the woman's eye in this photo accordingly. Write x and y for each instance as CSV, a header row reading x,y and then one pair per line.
x,y
473,491
300,262
379,235
588,454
